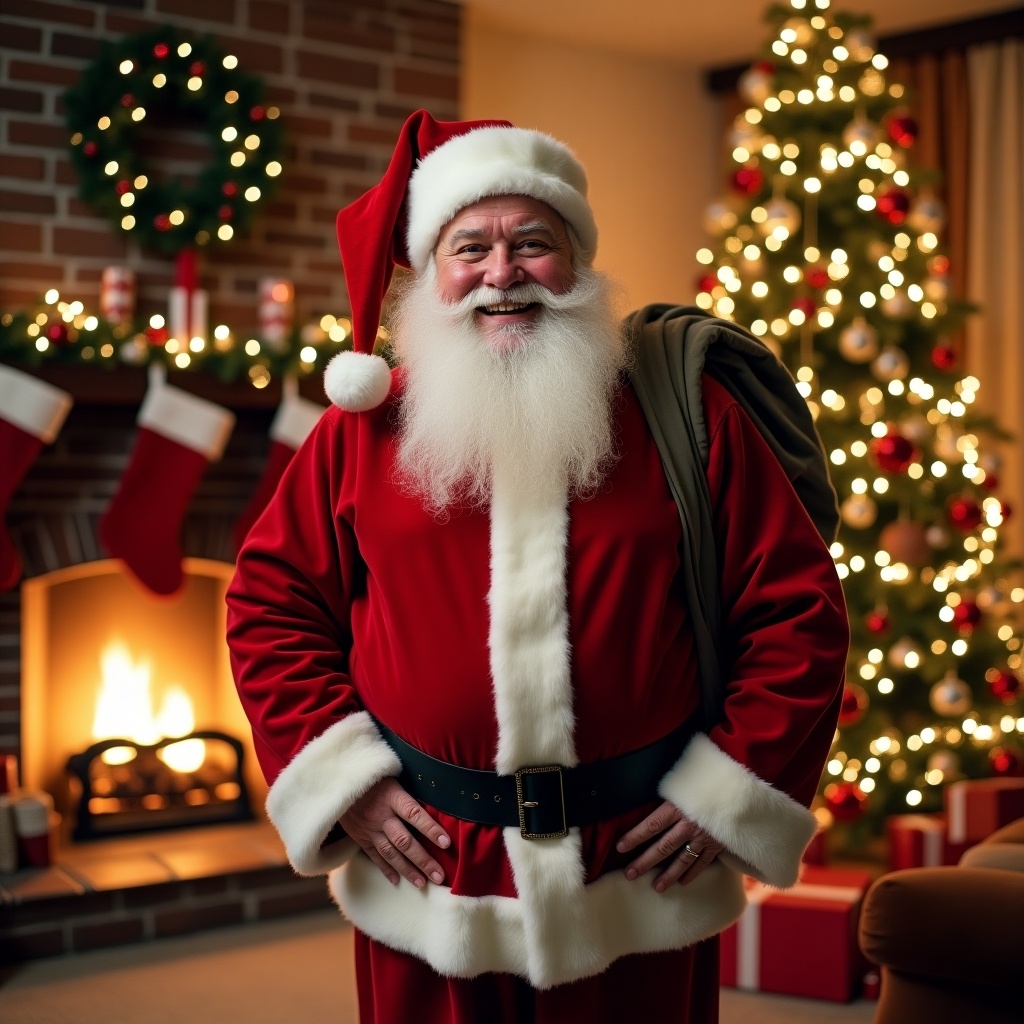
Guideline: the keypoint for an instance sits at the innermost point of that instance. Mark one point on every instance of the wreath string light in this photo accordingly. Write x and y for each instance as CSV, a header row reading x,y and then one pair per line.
x,y
166,76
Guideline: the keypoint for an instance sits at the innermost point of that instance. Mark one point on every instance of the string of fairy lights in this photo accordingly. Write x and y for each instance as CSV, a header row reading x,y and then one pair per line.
x,y
837,288
60,331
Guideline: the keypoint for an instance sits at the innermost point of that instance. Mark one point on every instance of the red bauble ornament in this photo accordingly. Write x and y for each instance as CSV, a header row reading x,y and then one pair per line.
x,y
229,188
1006,510
161,50
991,482
127,100
855,703
257,113
57,332
806,305
938,265
1005,761
846,800
816,276
877,622
944,357
748,180
893,452
906,542
90,148
707,282
902,130
162,222
197,67
157,335
965,514
226,212
966,615
1003,684
893,205
123,186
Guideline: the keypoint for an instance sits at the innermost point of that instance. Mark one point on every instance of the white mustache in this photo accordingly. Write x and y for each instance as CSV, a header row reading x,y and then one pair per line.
x,y
581,293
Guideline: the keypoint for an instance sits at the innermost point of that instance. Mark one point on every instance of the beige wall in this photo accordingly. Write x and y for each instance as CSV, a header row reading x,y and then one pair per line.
x,y
645,130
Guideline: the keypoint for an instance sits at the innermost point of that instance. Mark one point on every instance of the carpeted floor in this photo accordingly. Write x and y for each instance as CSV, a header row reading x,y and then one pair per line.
x,y
280,972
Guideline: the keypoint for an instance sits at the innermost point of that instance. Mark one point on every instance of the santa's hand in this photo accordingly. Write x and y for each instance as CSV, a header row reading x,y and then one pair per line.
x,y
377,822
682,848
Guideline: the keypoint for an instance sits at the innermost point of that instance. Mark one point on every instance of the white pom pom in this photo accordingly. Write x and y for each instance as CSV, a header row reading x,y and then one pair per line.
x,y
356,381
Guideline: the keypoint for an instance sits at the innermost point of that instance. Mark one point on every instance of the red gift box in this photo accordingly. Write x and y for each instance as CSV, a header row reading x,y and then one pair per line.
x,y
977,807
921,841
801,941
817,850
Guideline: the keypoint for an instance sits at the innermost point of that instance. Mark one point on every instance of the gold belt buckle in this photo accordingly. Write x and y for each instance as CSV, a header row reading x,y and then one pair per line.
x,y
525,804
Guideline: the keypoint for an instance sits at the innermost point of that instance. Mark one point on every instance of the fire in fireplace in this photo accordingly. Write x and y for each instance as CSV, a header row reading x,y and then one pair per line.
x,y
129,713
149,769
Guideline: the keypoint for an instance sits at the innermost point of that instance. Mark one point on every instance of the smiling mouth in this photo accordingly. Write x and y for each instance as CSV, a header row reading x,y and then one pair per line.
x,y
507,308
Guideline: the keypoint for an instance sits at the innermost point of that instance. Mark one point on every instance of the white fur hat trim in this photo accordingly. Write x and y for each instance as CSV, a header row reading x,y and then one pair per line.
x,y
496,162
357,381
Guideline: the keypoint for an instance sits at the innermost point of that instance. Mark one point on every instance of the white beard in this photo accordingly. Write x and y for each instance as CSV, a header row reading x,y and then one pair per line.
x,y
541,409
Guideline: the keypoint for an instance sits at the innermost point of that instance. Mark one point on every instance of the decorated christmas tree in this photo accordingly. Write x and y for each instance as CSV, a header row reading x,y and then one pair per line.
x,y
828,247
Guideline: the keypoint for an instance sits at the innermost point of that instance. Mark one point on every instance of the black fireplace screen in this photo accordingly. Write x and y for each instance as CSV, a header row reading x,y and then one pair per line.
x,y
122,786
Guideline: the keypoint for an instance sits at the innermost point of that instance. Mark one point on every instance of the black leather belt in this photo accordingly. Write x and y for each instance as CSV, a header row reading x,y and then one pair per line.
x,y
544,801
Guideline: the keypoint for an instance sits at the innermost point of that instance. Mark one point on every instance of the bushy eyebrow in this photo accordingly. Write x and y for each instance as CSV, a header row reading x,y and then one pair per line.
x,y
471,234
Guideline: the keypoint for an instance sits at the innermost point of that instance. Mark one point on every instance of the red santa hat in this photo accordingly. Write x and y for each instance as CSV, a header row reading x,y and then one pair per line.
x,y
437,169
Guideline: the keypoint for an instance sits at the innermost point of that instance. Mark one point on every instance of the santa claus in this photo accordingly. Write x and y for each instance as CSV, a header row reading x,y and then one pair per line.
x,y
462,634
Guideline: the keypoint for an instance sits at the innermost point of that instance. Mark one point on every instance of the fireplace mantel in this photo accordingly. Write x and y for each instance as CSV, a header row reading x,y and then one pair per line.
x,y
126,385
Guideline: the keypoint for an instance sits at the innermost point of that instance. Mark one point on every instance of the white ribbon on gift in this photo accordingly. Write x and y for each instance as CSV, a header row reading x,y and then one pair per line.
x,y
933,836
748,927
956,808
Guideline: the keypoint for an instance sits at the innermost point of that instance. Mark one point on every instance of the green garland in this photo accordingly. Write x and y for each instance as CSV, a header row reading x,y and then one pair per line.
x,y
57,332
169,78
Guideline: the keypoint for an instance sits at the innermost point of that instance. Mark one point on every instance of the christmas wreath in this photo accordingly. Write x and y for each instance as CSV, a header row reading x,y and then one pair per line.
x,y
172,79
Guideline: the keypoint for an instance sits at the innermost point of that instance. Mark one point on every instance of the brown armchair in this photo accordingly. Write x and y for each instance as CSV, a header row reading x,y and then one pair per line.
x,y
950,941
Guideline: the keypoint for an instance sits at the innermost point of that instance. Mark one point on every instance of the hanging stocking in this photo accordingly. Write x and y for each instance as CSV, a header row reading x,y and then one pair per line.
x,y
179,434
31,415
293,422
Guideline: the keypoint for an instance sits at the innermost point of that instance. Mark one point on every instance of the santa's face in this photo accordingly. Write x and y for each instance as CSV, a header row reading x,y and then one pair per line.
x,y
499,243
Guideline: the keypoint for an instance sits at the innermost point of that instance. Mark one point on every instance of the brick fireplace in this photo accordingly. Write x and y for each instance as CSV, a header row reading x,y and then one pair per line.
x,y
155,883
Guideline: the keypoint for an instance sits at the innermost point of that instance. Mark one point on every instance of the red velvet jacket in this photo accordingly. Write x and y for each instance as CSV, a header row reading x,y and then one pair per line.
x,y
529,633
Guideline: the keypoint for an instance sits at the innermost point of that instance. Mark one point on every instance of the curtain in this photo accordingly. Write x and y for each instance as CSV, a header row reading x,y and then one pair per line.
x,y
995,255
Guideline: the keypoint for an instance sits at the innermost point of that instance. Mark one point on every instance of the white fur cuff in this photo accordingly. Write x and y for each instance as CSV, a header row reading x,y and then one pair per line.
x,y
357,381
322,781
765,832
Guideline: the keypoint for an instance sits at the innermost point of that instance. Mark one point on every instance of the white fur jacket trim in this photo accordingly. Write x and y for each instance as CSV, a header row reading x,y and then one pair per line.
x,y
764,830
464,936
319,785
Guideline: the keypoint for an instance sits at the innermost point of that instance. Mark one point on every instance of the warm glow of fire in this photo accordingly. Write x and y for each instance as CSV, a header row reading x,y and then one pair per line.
x,y
124,709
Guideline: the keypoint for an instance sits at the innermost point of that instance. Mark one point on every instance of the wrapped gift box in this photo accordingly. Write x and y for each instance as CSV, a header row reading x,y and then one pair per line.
x,y
921,841
816,852
977,807
801,941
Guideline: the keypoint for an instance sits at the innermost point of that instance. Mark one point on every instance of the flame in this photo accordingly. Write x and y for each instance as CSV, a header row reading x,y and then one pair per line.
x,y
124,708
176,718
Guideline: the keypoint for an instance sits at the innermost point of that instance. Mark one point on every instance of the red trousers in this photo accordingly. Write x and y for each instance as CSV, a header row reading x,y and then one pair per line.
x,y
680,987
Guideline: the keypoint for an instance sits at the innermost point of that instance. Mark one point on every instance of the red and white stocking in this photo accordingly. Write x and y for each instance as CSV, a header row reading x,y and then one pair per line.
x,y
31,415
179,435
294,420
